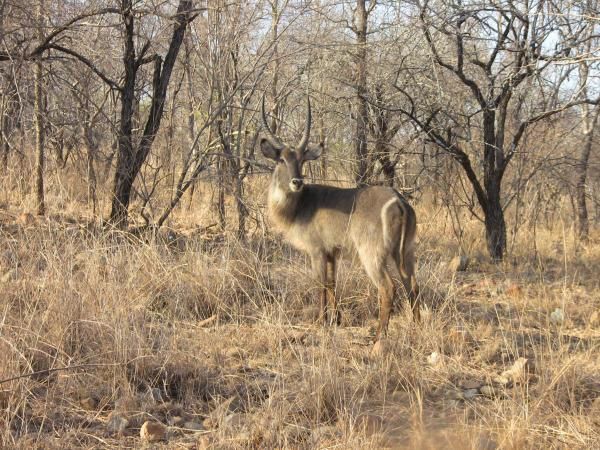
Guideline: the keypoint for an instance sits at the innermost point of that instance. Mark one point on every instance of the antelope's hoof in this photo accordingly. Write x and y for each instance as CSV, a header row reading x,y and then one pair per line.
x,y
381,348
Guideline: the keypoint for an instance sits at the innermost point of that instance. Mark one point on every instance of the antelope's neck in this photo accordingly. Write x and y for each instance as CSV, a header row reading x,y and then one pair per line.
x,y
283,206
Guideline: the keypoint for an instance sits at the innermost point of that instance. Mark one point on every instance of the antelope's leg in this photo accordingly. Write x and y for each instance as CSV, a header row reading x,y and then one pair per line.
x,y
335,316
385,287
410,284
319,266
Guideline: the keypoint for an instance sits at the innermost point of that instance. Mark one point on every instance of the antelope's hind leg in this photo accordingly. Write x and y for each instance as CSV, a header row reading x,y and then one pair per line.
x,y
409,282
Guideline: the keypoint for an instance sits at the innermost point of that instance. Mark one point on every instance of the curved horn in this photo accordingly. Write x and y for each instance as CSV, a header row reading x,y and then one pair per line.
x,y
304,141
268,133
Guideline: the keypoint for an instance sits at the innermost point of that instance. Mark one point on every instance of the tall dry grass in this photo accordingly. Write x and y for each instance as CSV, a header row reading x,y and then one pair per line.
x,y
204,329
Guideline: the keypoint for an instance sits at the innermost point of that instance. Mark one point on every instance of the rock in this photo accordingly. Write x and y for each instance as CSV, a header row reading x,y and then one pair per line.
x,y
434,360
127,403
235,420
88,403
193,426
10,275
557,317
153,431
176,421
156,395
470,384
488,391
210,423
459,264
117,423
501,380
368,424
517,372
455,394
469,394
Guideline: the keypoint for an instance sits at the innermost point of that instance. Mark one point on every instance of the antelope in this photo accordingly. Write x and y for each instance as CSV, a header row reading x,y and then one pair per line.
x,y
375,221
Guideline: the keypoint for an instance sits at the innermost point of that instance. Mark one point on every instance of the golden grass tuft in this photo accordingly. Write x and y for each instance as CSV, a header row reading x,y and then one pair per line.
x,y
221,334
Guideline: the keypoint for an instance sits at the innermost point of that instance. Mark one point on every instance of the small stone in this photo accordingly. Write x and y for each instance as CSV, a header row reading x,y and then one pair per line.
x,y
176,421
117,423
488,391
557,317
455,394
434,359
153,431
470,384
459,264
193,426
88,403
10,275
210,423
156,395
469,394
517,372
502,380
235,420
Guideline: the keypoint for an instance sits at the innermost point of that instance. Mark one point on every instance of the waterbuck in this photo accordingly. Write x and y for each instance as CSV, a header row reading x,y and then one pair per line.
x,y
376,222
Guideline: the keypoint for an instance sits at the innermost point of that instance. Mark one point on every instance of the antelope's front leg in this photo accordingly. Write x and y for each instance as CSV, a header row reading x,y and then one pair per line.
x,y
336,317
319,267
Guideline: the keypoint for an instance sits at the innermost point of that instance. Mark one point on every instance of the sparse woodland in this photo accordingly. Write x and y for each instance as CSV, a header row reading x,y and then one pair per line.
x,y
145,298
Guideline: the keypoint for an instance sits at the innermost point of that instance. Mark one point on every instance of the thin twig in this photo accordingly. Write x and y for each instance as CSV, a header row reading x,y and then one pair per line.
x,y
56,369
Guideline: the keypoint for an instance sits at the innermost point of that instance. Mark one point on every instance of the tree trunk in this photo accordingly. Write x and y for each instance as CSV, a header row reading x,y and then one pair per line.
x,y
581,169
588,123
388,169
130,160
91,146
38,106
495,228
362,107
4,132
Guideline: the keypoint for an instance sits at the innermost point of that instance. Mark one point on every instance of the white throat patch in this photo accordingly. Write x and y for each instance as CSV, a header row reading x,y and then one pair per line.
x,y
277,195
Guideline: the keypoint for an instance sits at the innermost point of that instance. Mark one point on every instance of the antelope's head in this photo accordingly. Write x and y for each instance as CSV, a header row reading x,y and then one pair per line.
x,y
287,176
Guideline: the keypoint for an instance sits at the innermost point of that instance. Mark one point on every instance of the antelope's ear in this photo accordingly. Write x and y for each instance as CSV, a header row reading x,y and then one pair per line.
x,y
313,152
269,150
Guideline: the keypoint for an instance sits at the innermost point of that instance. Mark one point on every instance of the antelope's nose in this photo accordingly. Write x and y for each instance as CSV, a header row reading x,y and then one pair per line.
x,y
296,184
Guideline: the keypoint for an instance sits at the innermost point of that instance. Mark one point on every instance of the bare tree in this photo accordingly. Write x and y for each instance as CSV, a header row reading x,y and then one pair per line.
x,y
360,28
489,74
39,113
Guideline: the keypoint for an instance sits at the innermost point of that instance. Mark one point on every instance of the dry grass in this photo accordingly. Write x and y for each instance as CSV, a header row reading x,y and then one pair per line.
x,y
123,319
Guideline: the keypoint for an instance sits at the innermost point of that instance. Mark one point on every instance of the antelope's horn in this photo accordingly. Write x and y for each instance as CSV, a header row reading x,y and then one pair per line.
x,y
267,130
304,141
